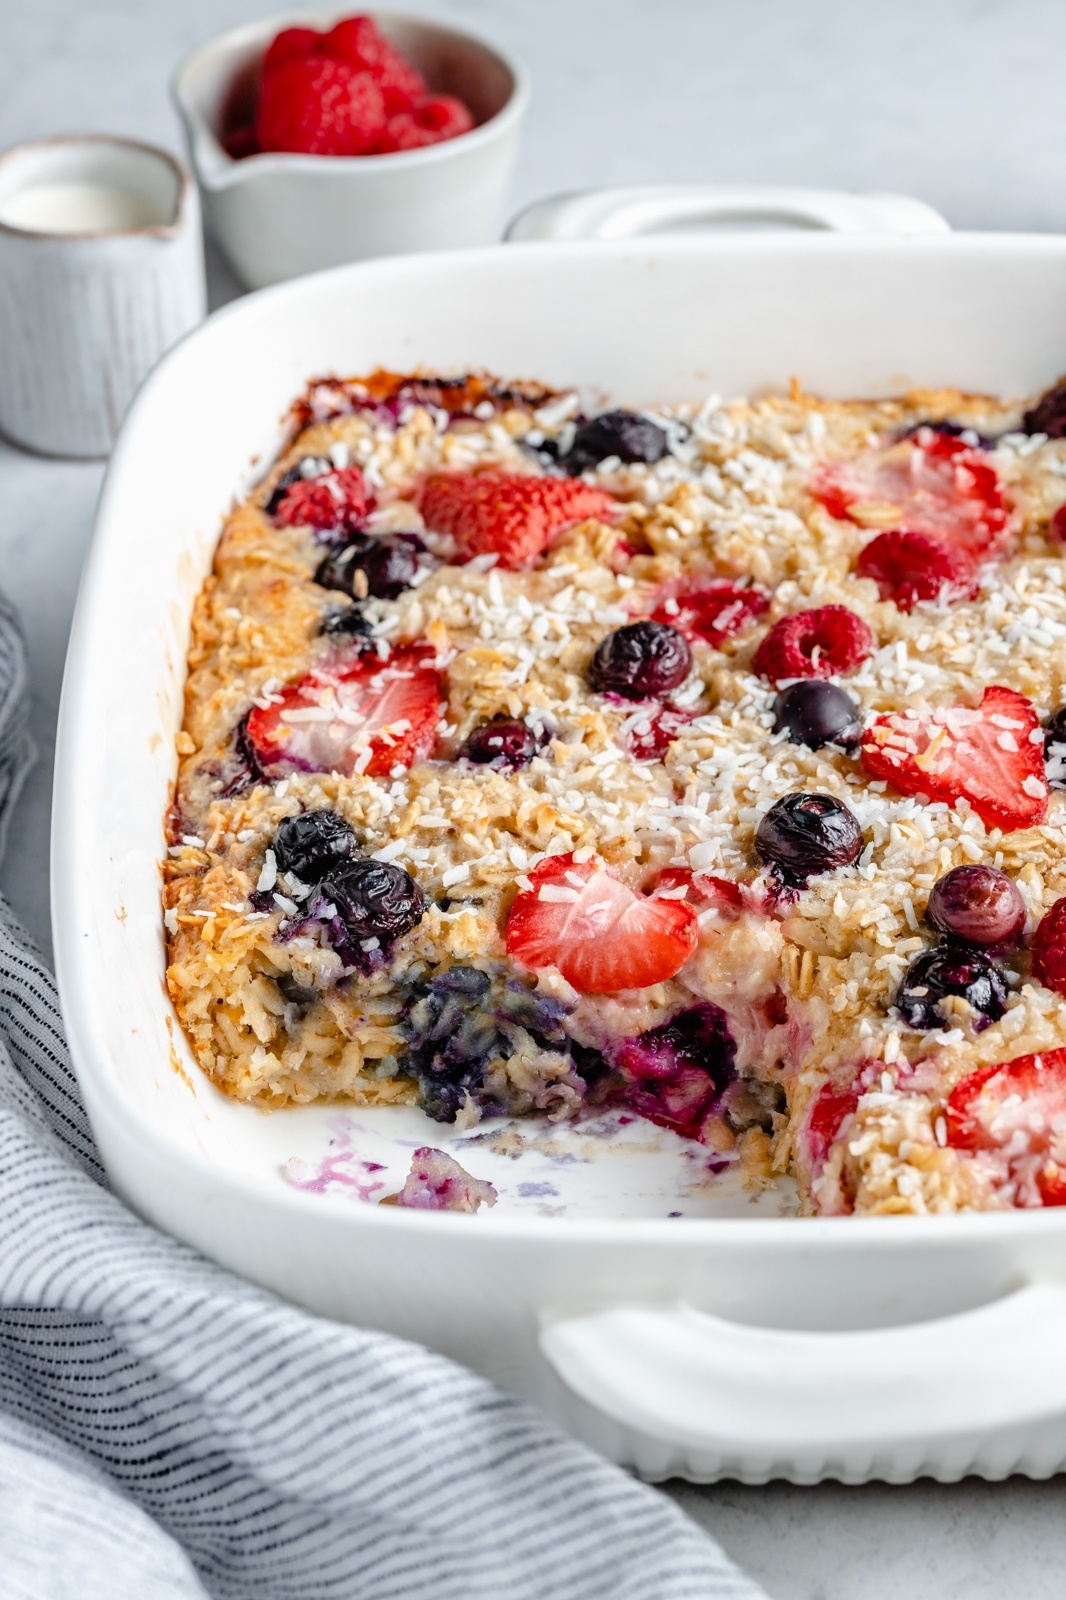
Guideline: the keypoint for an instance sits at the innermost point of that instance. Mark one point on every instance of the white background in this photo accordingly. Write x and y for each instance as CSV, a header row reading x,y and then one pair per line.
x,y
960,102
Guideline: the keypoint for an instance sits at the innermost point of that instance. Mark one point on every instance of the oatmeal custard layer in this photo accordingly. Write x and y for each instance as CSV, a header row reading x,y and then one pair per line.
x,y
700,760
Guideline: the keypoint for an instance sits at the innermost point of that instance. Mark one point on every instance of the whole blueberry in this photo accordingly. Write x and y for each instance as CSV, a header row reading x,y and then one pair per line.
x,y
804,834
388,561
951,969
977,905
625,434
313,843
640,660
374,899
815,713
505,741
1049,414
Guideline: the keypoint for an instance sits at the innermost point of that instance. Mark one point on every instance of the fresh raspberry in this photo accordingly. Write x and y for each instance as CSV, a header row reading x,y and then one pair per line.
x,y
316,106
1049,948
289,44
358,42
434,120
336,500
328,720
240,142
711,611
908,567
1017,1107
931,482
508,514
813,644
992,756
600,934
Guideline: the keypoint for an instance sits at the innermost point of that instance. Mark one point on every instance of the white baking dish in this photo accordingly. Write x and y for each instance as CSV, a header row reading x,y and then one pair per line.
x,y
727,1343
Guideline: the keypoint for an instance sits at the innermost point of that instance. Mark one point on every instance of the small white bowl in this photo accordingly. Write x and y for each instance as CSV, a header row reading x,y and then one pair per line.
x,y
278,216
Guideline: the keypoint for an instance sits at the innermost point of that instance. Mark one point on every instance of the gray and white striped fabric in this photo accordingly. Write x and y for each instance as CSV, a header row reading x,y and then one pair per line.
x,y
168,1431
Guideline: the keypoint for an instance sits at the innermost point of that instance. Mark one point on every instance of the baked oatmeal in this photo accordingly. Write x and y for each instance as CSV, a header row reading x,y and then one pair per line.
x,y
705,760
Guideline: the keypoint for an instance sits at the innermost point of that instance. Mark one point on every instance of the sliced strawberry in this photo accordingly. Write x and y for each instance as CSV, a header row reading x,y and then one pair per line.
x,y
987,756
1051,1181
333,501
1019,1108
365,715
908,567
929,483
596,931
1049,948
508,514
711,611
829,1110
700,889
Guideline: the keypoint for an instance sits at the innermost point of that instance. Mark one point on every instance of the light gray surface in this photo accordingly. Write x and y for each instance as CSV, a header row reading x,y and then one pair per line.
x,y
959,103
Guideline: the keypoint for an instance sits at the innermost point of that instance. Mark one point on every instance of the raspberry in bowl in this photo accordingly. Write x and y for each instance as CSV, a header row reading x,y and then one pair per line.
x,y
325,138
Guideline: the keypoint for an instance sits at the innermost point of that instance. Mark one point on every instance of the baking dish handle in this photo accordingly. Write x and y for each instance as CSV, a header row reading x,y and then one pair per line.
x,y
731,1392
653,208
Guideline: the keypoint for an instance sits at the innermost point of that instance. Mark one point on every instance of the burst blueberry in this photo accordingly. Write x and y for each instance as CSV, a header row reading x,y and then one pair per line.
x,y
313,843
451,1039
951,970
504,742
373,900
805,834
640,660
675,1074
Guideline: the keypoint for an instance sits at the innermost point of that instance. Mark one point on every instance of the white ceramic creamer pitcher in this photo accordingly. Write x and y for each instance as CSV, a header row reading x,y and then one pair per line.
x,y
101,271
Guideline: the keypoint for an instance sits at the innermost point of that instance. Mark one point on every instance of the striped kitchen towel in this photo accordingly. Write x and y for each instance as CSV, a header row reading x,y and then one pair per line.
x,y
169,1431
